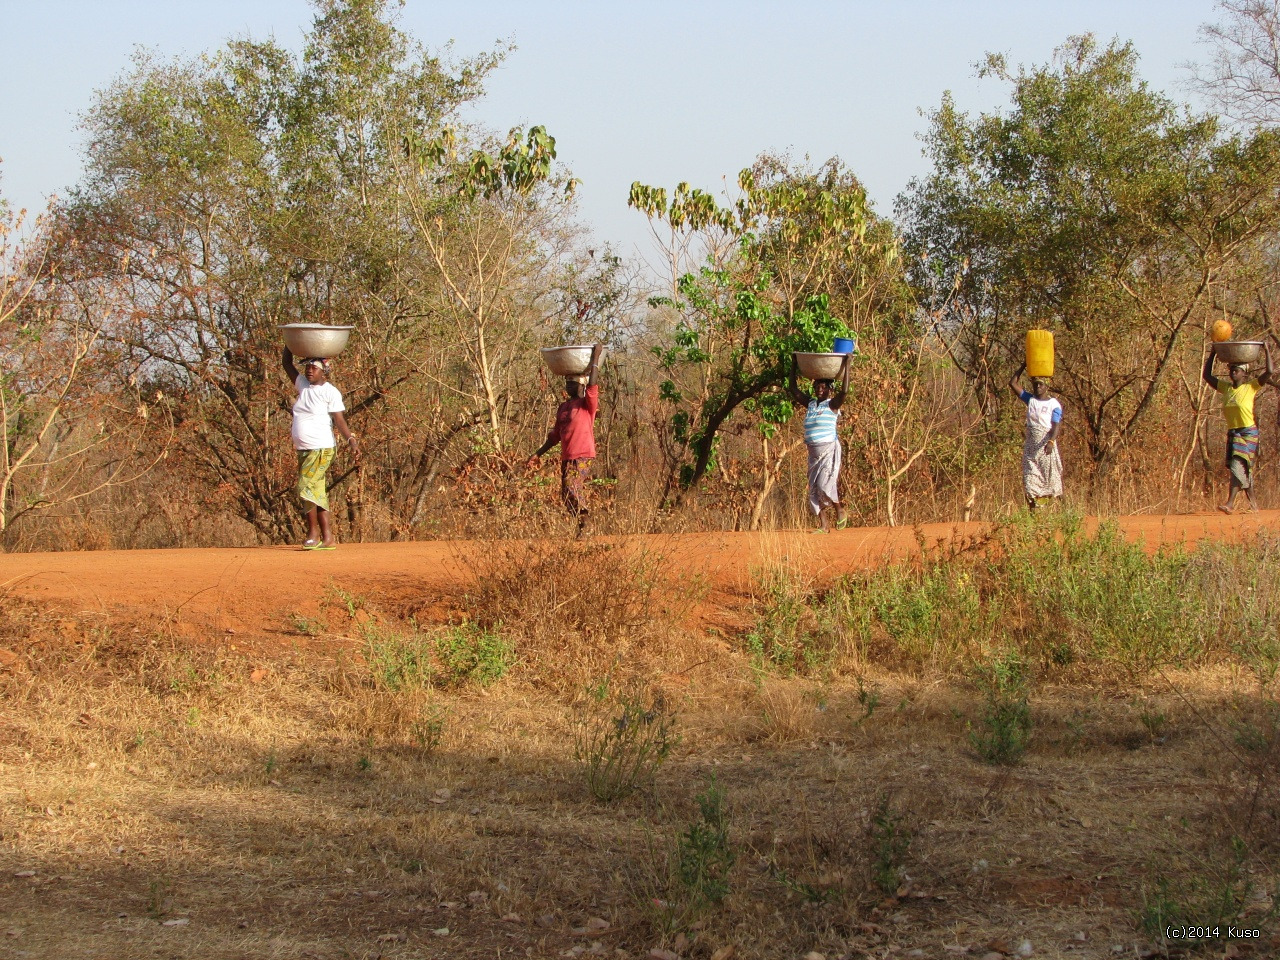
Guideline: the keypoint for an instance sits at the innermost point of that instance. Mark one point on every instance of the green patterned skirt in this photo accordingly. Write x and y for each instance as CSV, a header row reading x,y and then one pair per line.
x,y
312,467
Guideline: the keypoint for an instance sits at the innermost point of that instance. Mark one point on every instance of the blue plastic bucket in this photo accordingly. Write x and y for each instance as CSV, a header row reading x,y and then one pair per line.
x,y
844,345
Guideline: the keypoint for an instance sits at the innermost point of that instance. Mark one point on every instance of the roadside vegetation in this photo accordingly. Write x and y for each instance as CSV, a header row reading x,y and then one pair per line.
x,y
1068,762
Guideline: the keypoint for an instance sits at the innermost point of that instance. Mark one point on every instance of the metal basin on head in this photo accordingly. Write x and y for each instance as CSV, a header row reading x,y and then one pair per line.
x,y
570,361
1238,351
820,366
315,339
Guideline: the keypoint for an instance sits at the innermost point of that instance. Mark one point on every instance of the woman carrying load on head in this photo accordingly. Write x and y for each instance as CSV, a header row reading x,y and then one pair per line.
x,y
316,412
822,410
1242,431
1041,461
575,430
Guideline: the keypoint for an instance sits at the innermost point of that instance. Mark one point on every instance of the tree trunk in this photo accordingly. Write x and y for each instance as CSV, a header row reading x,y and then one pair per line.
x,y
772,469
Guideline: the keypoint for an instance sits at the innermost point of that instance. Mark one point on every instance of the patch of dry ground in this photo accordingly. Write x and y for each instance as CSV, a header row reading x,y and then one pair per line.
x,y
171,789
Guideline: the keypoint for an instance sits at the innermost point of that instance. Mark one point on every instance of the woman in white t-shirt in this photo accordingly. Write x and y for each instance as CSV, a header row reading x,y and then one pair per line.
x,y
316,412
1041,461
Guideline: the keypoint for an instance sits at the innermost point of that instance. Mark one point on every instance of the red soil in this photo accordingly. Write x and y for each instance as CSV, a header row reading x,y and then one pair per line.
x,y
251,593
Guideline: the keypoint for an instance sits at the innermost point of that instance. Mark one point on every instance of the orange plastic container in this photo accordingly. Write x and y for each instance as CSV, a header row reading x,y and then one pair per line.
x,y
1039,353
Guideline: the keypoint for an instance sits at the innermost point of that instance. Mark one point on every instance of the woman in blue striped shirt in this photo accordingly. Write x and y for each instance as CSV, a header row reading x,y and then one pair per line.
x,y
822,410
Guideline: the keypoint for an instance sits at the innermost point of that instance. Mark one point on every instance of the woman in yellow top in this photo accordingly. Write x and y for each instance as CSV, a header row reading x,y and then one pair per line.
x,y
1242,432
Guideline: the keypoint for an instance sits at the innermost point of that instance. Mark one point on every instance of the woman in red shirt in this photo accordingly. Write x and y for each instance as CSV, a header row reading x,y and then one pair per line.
x,y
575,431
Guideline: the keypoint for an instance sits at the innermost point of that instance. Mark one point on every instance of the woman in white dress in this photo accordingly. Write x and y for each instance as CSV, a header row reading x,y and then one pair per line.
x,y
1041,461
316,413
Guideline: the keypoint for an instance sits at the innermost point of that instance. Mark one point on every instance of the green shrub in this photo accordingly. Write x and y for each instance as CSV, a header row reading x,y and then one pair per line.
x,y
929,613
621,740
398,661
890,839
1067,601
704,853
791,634
1004,726
454,657
471,654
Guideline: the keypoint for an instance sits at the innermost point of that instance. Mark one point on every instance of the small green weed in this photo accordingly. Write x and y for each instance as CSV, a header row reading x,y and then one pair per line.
x,y
890,840
306,626
1201,908
868,699
348,601
808,891
428,729
621,740
704,852
468,653
1004,726
462,654
159,899
1155,720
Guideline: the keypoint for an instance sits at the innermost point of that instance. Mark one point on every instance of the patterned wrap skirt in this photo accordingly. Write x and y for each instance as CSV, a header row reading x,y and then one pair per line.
x,y
1041,470
312,467
573,484
1242,448
824,474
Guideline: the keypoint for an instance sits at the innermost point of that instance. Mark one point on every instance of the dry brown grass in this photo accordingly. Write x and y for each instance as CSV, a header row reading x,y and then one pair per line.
x,y
580,610
288,807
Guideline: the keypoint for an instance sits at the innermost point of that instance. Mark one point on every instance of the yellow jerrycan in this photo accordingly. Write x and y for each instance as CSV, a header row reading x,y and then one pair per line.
x,y
1039,353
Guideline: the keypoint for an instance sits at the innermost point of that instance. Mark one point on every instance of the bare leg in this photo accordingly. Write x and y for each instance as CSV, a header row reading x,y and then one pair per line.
x,y
1231,497
313,525
326,534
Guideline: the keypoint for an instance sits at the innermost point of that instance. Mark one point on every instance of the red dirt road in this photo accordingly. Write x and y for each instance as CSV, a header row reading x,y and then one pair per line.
x,y
252,592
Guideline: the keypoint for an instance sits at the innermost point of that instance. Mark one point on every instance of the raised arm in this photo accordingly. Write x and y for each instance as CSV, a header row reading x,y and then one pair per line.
x,y
793,390
1207,373
286,361
1269,372
595,364
1015,382
837,401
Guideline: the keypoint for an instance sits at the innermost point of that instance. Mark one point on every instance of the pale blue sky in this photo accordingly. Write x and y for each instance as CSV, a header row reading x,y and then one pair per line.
x,y
651,91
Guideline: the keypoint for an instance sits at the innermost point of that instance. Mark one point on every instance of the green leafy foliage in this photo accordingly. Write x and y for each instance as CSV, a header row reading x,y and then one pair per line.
x,y
798,241
454,657
705,853
1003,728
1098,208
254,186
468,653
622,739
794,632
